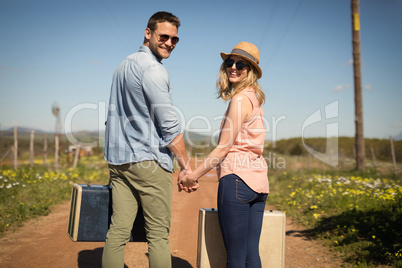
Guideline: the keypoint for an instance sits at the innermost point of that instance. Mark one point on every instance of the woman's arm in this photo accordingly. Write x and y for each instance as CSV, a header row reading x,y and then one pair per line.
x,y
240,108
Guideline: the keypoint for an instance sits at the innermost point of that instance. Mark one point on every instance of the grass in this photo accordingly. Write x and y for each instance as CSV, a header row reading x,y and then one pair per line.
x,y
357,214
26,193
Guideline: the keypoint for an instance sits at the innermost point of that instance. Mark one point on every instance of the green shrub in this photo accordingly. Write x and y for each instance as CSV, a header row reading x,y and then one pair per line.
x,y
356,214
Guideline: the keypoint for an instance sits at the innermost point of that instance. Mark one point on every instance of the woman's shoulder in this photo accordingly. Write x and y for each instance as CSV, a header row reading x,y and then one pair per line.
x,y
240,97
247,93
244,100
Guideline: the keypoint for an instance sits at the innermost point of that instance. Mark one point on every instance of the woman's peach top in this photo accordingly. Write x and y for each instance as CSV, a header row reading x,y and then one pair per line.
x,y
245,156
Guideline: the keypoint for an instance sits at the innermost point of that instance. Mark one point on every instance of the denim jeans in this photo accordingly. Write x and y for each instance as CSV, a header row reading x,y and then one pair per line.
x,y
240,212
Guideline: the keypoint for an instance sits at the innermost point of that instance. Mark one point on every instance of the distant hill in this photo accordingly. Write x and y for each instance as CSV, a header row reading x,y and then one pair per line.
x,y
22,130
346,145
204,142
25,130
195,137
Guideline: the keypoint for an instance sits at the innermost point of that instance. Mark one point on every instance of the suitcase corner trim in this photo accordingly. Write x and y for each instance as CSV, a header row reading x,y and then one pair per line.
x,y
75,211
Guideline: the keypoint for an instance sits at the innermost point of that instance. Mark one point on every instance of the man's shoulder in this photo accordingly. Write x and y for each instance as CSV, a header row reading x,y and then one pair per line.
x,y
141,57
145,61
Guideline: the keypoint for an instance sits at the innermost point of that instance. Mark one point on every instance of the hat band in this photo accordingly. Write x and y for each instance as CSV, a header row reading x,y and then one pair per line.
x,y
244,53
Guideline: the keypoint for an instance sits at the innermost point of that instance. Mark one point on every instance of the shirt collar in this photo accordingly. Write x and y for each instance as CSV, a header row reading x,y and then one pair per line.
x,y
148,51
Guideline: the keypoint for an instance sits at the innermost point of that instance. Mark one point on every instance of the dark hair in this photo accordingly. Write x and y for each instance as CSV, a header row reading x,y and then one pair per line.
x,y
162,16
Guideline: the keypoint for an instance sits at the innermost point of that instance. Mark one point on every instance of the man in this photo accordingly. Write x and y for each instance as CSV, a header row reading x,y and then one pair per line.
x,y
143,133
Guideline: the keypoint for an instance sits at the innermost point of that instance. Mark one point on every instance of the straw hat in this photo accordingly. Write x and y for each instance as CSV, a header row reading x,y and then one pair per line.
x,y
248,52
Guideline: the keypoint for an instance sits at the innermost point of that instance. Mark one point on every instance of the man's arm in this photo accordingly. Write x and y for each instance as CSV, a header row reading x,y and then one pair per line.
x,y
156,91
178,149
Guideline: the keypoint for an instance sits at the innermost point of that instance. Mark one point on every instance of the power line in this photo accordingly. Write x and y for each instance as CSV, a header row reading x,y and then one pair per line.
x,y
269,22
285,33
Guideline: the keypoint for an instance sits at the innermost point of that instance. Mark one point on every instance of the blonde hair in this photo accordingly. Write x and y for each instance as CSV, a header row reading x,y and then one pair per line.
x,y
226,90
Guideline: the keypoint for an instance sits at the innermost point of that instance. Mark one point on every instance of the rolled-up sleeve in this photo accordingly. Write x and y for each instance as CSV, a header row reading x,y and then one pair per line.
x,y
157,92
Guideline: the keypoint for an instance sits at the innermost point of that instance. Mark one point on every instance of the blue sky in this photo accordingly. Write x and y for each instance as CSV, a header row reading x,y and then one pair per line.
x,y
66,52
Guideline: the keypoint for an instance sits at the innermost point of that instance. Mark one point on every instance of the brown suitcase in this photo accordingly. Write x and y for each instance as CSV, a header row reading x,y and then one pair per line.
x,y
211,250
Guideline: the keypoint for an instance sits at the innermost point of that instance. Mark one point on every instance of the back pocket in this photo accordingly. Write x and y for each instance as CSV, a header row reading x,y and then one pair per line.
x,y
244,193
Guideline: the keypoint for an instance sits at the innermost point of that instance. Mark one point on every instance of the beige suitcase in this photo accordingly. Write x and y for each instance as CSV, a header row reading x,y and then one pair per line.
x,y
211,250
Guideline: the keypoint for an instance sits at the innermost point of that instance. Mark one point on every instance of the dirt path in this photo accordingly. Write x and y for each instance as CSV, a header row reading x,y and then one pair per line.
x,y
44,242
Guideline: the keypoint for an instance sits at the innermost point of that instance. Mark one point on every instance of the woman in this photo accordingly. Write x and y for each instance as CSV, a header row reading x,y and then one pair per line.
x,y
242,170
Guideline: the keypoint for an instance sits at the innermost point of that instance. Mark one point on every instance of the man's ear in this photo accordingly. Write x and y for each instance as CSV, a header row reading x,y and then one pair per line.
x,y
147,33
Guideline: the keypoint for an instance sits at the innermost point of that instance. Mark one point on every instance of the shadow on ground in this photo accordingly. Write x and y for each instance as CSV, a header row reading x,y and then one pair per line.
x,y
93,259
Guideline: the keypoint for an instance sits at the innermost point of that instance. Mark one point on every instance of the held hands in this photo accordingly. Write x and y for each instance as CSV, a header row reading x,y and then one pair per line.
x,y
187,182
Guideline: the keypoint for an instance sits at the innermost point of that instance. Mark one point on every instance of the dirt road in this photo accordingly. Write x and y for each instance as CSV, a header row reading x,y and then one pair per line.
x,y
43,242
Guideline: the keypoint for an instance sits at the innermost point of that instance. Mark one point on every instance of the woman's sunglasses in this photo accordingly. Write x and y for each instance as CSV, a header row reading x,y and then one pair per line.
x,y
164,38
239,65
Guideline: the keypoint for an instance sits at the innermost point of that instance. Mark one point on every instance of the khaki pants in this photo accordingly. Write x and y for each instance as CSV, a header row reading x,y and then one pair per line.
x,y
146,183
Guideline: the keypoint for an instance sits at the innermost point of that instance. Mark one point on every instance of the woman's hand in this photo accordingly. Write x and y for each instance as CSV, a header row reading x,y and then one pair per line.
x,y
187,182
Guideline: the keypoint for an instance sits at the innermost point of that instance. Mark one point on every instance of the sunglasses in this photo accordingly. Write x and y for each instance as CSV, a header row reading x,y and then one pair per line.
x,y
164,38
239,65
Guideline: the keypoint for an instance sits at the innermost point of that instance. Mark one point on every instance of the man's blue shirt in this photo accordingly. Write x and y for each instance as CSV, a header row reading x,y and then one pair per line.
x,y
142,120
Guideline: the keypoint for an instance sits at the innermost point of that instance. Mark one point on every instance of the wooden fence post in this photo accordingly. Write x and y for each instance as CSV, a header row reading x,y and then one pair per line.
x,y
44,149
31,149
393,153
15,149
76,155
373,156
56,152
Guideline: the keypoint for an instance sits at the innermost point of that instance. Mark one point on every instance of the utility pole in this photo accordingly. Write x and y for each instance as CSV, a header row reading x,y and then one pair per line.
x,y
359,138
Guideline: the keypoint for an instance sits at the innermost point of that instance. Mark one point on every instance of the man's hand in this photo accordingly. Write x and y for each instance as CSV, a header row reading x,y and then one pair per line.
x,y
186,182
